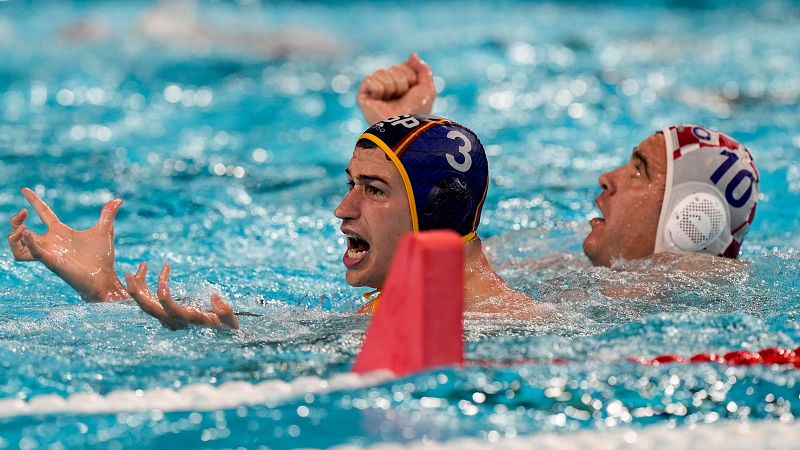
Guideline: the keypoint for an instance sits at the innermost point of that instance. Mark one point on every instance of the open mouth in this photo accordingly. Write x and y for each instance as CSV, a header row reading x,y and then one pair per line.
x,y
357,249
600,219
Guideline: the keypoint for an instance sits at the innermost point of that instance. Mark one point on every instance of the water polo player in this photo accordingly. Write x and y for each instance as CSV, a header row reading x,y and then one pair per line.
x,y
685,189
407,174
416,173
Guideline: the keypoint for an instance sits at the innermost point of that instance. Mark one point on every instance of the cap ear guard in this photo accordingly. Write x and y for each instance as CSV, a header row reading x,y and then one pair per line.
x,y
698,222
447,206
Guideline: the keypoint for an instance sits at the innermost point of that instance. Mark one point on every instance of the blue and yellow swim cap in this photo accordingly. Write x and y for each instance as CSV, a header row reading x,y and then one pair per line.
x,y
443,166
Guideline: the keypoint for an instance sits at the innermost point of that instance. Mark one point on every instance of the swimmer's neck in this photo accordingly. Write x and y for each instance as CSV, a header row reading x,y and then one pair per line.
x,y
484,289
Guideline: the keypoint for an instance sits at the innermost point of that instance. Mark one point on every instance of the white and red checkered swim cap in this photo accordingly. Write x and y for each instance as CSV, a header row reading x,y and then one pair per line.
x,y
711,192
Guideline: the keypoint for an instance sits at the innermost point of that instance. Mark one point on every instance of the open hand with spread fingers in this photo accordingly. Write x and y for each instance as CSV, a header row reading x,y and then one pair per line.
x,y
172,315
406,88
84,259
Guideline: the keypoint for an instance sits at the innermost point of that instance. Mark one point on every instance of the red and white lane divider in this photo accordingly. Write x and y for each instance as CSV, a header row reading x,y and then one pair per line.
x,y
767,357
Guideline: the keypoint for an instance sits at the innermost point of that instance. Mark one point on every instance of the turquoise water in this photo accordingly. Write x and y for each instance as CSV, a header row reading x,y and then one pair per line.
x,y
228,141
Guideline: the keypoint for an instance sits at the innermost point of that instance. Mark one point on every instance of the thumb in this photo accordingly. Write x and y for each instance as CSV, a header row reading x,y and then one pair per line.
x,y
220,306
109,212
422,69
36,251
224,311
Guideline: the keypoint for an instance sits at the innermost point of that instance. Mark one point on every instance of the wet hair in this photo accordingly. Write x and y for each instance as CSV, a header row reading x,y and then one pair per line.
x,y
366,144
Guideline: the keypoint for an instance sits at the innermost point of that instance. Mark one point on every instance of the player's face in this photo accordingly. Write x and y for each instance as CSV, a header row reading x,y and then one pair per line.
x,y
375,214
630,205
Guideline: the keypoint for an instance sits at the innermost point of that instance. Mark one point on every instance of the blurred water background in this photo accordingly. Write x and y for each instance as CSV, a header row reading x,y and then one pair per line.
x,y
226,128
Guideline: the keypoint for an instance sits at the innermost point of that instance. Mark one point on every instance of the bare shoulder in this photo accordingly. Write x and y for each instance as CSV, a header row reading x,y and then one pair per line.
x,y
511,304
701,265
653,277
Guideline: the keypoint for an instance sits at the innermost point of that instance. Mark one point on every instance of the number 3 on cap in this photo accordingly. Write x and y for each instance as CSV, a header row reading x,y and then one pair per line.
x,y
463,149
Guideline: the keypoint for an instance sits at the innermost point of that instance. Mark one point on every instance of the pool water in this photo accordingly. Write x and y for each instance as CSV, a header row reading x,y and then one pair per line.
x,y
227,136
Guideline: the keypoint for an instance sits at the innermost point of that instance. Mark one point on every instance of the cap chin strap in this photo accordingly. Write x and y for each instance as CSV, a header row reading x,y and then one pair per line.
x,y
412,204
468,237
665,204
372,302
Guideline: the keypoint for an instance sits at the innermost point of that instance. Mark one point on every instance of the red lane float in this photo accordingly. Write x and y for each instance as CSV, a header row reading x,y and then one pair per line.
x,y
418,323
778,356
767,356
664,359
706,357
742,358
